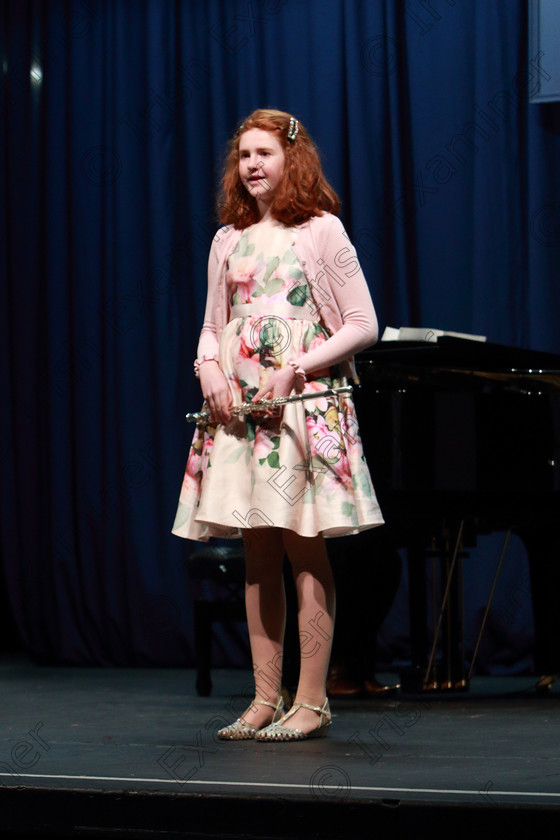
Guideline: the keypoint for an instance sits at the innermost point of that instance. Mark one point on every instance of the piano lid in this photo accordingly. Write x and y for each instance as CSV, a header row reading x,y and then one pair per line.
x,y
459,353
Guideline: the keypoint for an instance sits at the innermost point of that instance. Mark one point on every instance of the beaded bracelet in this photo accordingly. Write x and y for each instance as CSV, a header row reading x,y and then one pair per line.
x,y
198,362
299,372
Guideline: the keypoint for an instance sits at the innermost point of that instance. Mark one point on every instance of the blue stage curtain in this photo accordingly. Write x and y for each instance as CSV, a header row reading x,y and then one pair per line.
x,y
115,119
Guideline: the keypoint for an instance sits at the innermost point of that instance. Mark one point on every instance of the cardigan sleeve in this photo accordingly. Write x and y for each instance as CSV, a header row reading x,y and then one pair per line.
x,y
339,285
208,344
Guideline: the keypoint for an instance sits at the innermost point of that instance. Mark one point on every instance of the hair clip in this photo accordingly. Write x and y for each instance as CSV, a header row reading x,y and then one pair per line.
x,y
293,129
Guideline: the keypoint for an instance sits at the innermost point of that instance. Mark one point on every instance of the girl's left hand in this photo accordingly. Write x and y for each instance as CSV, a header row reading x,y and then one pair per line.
x,y
279,384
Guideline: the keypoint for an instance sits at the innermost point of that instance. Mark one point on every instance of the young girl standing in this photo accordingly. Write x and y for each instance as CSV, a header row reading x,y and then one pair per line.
x,y
287,308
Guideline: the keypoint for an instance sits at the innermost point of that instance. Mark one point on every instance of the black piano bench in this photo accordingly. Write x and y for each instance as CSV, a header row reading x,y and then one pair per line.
x,y
220,574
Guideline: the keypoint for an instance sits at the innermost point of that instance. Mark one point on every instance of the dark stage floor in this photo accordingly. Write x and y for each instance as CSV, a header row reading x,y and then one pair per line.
x,y
132,753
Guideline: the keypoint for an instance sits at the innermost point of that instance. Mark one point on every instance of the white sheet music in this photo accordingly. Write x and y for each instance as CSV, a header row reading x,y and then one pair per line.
x,y
423,334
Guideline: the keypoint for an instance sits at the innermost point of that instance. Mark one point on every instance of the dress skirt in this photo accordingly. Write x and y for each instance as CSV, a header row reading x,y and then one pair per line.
x,y
302,469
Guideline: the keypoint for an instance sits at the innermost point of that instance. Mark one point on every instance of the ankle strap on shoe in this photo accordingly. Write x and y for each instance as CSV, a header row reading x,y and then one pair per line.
x,y
276,705
320,710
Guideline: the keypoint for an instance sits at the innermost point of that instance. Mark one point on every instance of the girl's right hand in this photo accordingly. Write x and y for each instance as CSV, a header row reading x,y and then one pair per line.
x,y
215,391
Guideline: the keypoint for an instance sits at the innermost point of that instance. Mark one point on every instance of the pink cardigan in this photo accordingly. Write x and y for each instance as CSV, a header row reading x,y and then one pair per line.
x,y
341,298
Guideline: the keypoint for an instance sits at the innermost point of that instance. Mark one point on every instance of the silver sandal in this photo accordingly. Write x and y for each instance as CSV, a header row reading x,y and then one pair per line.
x,y
240,730
278,731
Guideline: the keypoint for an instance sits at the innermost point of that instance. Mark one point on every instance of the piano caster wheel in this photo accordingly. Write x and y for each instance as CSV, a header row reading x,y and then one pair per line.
x,y
447,685
459,685
545,683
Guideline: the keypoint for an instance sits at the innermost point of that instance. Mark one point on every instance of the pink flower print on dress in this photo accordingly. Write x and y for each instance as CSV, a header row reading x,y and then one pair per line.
x,y
328,445
264,445
274,289
242,281
190,481
322,404
320,437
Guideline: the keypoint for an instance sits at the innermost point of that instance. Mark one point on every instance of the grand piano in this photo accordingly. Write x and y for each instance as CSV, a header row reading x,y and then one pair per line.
x,y
463,438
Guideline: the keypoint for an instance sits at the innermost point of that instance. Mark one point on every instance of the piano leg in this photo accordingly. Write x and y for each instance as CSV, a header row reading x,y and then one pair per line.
x,y
452,677
367,572
426,672
417,607
543,551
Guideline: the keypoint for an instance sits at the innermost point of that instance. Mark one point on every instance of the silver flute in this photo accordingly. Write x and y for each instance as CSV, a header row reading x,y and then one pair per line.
x,y
262,405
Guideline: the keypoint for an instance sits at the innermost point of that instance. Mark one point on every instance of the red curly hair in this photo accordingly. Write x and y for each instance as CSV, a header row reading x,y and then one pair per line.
x,y
304,191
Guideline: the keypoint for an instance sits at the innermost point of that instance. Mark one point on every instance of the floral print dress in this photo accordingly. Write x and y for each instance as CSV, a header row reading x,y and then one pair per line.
x,y
302,469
